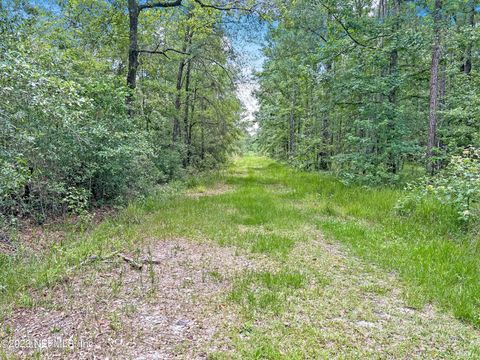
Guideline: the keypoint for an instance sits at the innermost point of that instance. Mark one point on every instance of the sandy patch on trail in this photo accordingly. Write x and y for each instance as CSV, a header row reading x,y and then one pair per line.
x,y
169,310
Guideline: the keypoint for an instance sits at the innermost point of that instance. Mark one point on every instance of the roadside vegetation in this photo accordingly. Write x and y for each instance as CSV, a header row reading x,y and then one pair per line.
x,y
75,134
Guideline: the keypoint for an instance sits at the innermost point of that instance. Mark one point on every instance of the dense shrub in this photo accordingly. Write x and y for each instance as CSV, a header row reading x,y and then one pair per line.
x,y
68,140
65,144
458,186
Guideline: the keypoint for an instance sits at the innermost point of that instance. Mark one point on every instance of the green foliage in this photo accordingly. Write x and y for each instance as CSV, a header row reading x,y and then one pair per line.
x,y
345,87
67,141
458,186
76,200
64,137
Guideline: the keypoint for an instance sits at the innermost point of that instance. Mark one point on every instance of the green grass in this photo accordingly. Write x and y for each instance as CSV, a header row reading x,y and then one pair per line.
x,y
265,291
428,249
267,210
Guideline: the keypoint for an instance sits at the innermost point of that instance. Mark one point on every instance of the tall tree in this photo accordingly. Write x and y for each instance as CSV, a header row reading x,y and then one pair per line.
x,y
135,9
467,63
434,89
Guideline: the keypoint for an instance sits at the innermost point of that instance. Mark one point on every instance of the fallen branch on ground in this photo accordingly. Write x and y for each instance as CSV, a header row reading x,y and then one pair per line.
x,y
137,264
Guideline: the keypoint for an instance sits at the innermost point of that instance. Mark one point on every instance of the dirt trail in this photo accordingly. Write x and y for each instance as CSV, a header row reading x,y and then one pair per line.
x,y
318,301
177,309
170,309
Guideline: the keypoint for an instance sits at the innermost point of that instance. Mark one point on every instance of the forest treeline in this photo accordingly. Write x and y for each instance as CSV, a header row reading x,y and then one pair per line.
x,y
100,100
103,99
367,87
377,91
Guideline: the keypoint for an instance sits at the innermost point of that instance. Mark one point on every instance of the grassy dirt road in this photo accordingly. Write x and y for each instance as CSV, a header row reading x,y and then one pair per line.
x,y
238,267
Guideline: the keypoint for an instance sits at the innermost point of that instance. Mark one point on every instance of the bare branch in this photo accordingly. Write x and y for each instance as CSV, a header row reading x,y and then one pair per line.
x,y
227,71
223,8
344,27
163,52
176,3
159,4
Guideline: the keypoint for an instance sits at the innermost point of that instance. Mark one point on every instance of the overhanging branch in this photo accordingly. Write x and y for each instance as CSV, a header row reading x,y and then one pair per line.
x,y
344,27
163,52
160,4
223,8
175,3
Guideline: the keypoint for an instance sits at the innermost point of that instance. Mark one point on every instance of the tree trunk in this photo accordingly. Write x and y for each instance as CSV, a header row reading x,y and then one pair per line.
x,y
202,128
291,139
133,12
176,133
392,95
186,126
190,127
467,66
324,154
436,54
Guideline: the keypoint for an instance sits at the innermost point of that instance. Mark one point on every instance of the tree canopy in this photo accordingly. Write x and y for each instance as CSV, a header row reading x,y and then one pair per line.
x,y
365,88
74,123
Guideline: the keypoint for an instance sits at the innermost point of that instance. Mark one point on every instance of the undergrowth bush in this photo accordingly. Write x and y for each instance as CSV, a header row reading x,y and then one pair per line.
x,y
66,144
457,186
